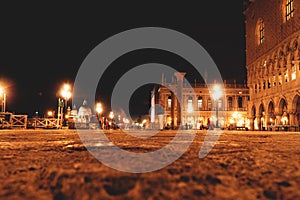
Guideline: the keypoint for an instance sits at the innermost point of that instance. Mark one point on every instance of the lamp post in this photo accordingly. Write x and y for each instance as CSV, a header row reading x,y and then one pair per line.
x,y
99,110
66,94
111,116
3,94
216,94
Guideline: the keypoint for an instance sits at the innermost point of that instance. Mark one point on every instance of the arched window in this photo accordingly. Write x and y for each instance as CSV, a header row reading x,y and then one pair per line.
x,y
260,31
289,9
200,103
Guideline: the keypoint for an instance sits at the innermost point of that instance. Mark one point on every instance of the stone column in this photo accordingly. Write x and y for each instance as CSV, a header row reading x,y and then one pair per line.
x,y
179,76
251,123
258,117
296,63
173,110
278,119
292,118
267,121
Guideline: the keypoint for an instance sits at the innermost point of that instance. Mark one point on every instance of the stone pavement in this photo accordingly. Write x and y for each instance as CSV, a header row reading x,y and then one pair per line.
x,y
53,164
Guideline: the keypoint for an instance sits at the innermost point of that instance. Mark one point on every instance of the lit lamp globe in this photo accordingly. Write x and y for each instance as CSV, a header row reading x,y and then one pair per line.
x,y
217,93
99,108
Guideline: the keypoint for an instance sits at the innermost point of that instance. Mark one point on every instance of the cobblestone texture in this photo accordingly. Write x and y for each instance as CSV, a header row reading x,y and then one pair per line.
x,y
54,164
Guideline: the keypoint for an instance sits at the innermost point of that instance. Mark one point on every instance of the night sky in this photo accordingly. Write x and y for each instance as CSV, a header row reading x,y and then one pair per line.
x,y
43,45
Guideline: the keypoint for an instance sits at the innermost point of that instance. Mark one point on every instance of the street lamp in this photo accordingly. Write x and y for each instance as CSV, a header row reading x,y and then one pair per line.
x,y
66,93
3,94
99,108
111,116
50,113
216,94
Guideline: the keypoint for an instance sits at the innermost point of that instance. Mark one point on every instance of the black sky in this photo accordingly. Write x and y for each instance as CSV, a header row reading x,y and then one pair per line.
x,y
43,45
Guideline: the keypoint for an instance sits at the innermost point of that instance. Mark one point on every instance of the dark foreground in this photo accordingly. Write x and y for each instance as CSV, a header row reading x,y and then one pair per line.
x,y
53,164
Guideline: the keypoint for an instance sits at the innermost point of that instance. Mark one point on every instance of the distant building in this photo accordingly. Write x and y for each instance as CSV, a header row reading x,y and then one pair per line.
x,y
84,113
199,109
272,60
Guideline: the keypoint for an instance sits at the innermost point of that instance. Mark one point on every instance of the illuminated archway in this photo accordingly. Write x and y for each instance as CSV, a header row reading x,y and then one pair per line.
x,y
271,114
284,119
261,120
296,110
253,120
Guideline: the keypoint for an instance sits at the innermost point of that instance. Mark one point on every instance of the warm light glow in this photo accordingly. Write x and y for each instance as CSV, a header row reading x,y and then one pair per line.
x,y
50,113
65,92
217,93
1,91
236,115
111,115
294,76
241,122
144,121
126,121
169,103
99,108
66,87
190,106
231,121
284,120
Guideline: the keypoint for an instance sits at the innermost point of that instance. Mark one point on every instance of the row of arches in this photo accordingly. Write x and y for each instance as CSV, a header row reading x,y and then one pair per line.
x,y
275,113
277,61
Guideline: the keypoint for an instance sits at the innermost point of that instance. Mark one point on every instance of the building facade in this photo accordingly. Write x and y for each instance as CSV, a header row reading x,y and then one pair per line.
x,y
272,61
199,107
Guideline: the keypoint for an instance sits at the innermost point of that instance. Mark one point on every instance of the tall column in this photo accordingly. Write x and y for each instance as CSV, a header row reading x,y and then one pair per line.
x,y
292,118
179,76
251,123
267,121
173,110
258,117
278,119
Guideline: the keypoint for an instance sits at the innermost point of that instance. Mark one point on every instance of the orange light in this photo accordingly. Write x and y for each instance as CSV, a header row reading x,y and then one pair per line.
x,y
50,113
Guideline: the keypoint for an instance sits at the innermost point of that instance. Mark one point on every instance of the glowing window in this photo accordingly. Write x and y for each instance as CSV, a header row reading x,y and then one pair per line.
x,y
289,9
200,103
169,102
209,104
286,77
260,31
190,105
293,72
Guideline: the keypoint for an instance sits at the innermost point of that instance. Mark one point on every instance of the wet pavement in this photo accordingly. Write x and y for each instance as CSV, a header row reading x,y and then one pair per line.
x,y
54,164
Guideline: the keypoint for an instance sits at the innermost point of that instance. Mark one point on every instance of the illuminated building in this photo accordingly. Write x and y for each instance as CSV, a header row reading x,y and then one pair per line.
x,y
199,109
272,60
